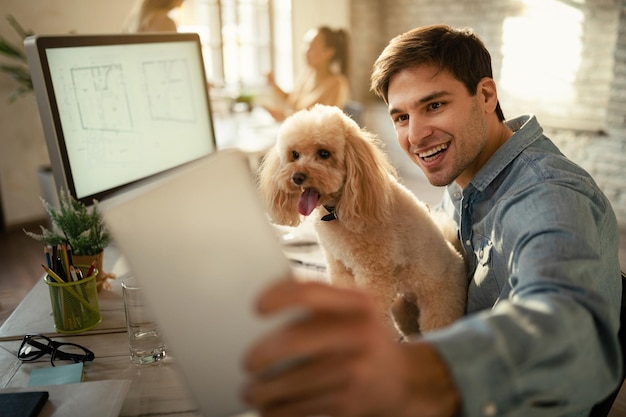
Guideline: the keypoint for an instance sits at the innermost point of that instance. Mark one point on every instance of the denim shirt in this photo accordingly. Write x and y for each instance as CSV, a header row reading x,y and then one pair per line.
x,y
541,240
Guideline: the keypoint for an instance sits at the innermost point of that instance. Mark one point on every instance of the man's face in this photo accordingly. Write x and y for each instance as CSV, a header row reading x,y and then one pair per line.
x,y
441,127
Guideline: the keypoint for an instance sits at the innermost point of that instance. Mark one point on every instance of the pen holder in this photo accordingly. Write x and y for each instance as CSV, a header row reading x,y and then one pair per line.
x,y
75,305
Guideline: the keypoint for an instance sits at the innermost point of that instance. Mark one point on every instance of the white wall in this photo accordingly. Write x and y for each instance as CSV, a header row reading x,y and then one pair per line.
x,y
22,145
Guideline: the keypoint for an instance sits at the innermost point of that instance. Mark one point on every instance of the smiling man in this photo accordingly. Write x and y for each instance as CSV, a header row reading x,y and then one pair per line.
x,y
443,128
544,291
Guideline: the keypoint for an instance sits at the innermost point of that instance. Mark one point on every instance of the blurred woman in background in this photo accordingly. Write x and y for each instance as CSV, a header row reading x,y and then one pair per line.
x,y
325,79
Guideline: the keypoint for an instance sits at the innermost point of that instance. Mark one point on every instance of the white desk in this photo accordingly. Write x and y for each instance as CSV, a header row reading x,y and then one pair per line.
x,y
155,389
253,132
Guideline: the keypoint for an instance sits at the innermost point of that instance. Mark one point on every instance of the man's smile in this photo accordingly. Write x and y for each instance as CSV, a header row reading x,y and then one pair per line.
x,y
432,153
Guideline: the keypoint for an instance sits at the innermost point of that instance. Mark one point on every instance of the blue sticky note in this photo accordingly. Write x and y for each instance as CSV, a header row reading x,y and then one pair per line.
x,y
55,375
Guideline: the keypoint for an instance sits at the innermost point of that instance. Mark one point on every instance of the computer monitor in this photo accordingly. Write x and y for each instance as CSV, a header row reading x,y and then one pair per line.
x,y
119,108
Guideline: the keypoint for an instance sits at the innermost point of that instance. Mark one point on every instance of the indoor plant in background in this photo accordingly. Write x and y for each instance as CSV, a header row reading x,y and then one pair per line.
x,y
16,67
80,227
19,70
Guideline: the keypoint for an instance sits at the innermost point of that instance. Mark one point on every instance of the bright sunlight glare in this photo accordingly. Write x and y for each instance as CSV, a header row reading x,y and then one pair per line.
x,y
542,51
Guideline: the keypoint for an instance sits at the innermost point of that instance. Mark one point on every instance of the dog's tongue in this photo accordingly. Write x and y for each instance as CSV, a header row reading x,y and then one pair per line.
x,y
308,201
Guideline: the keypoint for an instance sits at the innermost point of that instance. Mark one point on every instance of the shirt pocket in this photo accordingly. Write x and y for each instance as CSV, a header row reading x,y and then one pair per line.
x,y
484,288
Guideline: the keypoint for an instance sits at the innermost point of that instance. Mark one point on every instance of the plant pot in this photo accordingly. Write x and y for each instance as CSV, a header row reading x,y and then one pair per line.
x,y
101,278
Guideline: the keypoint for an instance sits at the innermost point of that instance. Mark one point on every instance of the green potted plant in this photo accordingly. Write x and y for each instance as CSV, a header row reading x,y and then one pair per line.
x,y
19,69
81,228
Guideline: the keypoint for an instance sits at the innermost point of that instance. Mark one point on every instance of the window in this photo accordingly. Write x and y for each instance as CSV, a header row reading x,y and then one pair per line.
x,y
542,61
238,38
546,59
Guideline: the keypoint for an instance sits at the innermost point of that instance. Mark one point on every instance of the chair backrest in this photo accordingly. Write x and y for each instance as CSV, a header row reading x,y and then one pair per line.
x,y
354,109
603,408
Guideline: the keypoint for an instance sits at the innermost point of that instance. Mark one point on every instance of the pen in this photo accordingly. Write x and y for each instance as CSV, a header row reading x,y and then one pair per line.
x,y
59,269
46,251
55,256
91,268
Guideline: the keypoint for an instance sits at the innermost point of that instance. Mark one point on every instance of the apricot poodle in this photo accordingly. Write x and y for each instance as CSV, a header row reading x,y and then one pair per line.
x,y
375,233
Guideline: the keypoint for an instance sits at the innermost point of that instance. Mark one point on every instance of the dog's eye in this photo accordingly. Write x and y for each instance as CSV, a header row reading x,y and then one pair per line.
x,y
323,153
295,154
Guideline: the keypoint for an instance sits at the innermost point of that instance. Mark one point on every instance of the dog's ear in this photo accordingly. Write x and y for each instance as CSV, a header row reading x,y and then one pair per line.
x,y
366,195
281,205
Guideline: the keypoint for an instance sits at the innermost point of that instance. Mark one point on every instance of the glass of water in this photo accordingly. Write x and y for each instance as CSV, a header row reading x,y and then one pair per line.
x,y
144,337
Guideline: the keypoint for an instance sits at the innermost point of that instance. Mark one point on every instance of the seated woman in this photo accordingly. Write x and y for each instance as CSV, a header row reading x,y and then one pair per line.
x,y
324,80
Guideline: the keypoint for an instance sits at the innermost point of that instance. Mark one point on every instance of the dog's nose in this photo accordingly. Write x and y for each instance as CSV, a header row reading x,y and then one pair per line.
x,y
298,178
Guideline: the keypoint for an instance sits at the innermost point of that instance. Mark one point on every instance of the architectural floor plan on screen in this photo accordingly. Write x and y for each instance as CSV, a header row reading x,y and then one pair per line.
x,y
104,94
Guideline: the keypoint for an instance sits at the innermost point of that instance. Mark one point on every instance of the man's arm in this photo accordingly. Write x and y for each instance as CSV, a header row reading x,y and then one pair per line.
x,y
544,342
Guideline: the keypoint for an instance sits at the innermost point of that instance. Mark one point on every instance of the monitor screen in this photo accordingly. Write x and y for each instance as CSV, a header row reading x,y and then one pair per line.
x,y
117,109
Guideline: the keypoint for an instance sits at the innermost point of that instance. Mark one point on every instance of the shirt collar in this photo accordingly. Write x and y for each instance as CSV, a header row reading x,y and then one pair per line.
x,y
526,130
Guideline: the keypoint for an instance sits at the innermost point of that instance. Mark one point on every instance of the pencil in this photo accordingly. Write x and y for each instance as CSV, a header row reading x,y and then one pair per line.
x,y
73,273
70,258
52,274
66,262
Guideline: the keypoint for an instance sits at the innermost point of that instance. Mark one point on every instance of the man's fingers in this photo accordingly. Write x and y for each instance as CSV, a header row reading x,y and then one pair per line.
x,y
314,296
299,386
306,338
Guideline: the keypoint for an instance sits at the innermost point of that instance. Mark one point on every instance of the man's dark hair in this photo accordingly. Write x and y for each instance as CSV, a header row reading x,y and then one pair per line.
x,y
457,51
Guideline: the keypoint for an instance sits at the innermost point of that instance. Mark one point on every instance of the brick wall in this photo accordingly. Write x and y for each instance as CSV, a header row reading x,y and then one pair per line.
x,y
600,86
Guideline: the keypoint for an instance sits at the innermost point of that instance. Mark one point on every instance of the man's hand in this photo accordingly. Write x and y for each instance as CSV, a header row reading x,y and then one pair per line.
x,y
340,360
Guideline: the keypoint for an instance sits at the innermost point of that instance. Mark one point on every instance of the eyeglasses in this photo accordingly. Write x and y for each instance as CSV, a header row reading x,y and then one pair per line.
x,y
34,346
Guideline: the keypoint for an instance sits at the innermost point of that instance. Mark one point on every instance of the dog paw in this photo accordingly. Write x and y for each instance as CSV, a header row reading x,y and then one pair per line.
x,y
405,315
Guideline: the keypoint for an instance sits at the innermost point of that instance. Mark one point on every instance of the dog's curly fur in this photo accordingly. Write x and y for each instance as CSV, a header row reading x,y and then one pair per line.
x,y
383,239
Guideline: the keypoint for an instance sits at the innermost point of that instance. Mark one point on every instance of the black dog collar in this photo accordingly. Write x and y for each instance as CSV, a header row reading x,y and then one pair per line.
x,y
331,214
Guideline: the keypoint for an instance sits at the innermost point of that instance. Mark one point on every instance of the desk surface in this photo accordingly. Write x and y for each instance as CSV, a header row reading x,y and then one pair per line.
x,y
154,389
